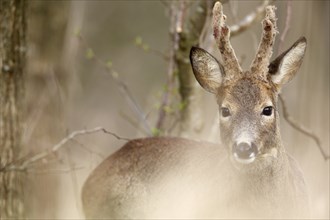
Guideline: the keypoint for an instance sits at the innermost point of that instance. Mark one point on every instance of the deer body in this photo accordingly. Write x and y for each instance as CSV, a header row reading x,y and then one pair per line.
x,y
248,175
179,178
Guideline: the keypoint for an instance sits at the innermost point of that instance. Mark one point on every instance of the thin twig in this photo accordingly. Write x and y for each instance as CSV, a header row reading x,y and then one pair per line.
x,y
166,4
42,155
174,124
146,48
207,25
233,11
176,24
82,146
34,117
232,5
250,19
286,114
302,129
286,27
159,53
74,180
123,88
180,17
132,122
54,171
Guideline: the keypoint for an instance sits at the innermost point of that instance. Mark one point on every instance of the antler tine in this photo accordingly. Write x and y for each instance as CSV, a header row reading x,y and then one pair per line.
x,y
265,50
221,33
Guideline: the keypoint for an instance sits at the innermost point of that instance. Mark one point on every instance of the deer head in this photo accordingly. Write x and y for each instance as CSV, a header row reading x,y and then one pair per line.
x,y
249,121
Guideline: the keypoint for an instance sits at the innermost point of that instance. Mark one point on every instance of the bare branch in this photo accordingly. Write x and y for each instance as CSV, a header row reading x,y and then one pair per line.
x,y
207,25
174,124
74,180
286,27
42,155
189,91
54,89
166,4
123,88
180,17
302,129
286,114
146,48
250,19
158,53
53,171
242,25
175,29
133,122
232,5
82,146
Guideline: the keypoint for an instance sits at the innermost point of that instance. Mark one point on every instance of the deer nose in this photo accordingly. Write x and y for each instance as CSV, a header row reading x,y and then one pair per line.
x,y
245,152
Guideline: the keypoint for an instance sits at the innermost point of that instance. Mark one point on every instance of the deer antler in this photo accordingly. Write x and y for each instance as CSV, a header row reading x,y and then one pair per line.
x,y
221,33
265,50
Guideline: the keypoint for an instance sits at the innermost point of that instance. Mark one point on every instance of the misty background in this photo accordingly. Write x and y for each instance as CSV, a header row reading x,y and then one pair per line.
x,y
66,90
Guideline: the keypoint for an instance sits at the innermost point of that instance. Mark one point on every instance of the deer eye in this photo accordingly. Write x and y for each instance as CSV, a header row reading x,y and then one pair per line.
x,y
225,112
267,111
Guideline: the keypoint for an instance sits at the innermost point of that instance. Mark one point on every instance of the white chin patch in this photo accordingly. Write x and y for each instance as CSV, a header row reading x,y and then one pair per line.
x,y
251,158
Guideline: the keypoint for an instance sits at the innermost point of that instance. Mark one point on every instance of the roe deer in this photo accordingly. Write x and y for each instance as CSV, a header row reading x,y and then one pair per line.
x,y
248,175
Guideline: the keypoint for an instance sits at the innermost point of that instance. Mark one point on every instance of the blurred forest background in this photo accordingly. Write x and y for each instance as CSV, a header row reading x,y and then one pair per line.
x,y
68,90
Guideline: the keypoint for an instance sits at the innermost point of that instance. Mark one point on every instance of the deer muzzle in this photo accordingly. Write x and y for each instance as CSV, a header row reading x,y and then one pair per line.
x,y
245,152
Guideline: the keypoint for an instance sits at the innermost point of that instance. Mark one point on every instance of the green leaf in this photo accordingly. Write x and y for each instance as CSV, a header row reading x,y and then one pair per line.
x,y
175,91
90,53
155,132
168,109
77,32
182,105
109,64
138,41
157,106
145,47
165,87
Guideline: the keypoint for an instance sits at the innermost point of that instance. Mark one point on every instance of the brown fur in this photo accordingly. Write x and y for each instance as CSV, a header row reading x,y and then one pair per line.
x,y
180,178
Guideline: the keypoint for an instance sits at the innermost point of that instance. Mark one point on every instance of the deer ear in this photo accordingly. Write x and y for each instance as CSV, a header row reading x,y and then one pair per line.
x,y
286,65
207,70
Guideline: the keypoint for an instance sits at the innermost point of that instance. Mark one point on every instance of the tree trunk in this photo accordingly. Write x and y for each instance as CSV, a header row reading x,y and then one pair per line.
x,y
12,59
188,87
